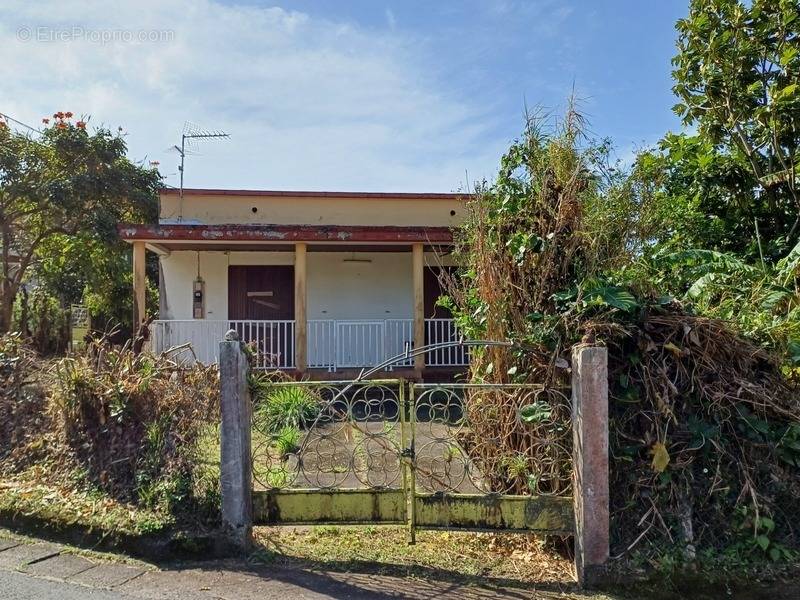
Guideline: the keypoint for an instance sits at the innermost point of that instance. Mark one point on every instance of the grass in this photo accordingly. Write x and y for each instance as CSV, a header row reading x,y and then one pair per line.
x,y
91,510
277,408
383,549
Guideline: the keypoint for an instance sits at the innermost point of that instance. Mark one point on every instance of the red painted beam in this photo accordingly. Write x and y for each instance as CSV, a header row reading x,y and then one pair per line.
x,y
284,233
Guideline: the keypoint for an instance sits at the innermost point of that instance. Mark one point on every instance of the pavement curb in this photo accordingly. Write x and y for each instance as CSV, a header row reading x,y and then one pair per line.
x,y
165,546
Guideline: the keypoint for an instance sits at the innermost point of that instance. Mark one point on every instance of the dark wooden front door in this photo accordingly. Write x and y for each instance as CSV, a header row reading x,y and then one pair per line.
x,y
432,290
263,293
440,330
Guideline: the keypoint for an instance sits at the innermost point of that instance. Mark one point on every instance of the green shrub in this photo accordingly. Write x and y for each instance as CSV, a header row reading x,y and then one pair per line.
x,y
278,408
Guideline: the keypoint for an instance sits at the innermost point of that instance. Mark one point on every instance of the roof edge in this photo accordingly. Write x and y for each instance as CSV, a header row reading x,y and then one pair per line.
x,y
278,233
310,194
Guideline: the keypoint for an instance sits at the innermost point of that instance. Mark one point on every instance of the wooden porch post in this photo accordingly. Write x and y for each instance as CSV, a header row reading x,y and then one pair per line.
x,y
139,286
300,316
418,262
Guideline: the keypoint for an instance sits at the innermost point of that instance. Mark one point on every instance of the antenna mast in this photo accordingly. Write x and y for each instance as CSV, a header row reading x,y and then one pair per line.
x,y
191,135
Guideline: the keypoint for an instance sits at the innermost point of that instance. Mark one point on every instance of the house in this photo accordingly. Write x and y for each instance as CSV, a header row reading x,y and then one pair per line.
x,y
318,282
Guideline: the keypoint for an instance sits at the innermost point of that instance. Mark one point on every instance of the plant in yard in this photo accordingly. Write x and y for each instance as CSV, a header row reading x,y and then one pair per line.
x,y
64,184
701,405
132,427
278,407
287,440
737,77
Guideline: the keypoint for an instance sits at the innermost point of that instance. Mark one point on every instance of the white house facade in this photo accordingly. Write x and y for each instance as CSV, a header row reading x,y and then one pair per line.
x,y
321,282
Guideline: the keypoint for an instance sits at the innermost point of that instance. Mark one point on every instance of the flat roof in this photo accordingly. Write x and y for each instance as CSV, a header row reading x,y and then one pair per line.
x,y
307,194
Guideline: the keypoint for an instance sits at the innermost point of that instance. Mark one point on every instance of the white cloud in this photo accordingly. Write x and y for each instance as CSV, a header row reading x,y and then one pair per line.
x,y
310,103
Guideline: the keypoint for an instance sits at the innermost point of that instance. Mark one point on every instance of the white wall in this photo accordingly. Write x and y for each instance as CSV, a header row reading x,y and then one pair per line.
x,y
179,270
381,289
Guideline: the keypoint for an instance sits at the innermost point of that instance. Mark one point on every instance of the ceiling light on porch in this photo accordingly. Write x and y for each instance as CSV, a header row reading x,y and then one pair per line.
x,y
353,259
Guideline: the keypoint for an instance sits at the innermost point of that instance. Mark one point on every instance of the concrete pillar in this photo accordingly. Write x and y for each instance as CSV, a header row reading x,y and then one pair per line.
x,y
418,265
235,462
300,308
139,286
590,462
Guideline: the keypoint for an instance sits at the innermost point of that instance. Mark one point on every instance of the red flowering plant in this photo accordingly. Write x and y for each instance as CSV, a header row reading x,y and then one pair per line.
x,y
79,185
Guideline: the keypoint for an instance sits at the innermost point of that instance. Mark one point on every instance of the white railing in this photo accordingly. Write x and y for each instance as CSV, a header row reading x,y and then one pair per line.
x,y
273,341
201,335
398,334
359,343
332,343
438,331
321,344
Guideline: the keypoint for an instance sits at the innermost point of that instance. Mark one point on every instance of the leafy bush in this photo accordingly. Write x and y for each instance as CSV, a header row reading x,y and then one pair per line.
x,y
703,418
281,407
42,321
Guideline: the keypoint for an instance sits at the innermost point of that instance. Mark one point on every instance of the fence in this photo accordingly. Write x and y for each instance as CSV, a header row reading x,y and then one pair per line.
x,y
428,455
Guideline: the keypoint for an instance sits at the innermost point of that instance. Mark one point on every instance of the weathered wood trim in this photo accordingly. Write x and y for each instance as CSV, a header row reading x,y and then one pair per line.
x,y
159,234
300,305
139,285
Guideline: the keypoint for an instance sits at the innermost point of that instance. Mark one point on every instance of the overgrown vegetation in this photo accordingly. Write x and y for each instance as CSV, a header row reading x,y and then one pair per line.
x,y
62,194
686,266
705,412
117,426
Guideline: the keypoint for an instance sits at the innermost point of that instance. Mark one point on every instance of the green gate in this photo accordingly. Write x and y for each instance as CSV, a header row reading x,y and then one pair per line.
x,y
469,456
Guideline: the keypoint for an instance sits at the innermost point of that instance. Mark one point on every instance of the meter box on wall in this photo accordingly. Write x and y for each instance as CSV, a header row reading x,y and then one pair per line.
x,y
199,299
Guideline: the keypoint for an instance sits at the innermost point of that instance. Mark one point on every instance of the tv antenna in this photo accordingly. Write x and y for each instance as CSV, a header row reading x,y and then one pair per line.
x,y
192,134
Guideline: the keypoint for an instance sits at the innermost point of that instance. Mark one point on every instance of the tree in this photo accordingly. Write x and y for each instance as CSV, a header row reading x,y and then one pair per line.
x,y
737,75
88,269
67,182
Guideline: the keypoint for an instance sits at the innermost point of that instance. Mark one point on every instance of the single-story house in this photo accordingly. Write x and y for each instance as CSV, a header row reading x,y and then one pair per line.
x,y
324,282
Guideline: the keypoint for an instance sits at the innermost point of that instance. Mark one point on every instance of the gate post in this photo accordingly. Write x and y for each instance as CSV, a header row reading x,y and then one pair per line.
x,y
590,462
235,458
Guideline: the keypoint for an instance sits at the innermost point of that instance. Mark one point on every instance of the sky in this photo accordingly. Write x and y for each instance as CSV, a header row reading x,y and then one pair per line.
x,y
363,95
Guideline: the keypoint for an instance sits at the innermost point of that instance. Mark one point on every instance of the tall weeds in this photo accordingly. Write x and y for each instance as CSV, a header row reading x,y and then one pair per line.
x,y
705,426
123,423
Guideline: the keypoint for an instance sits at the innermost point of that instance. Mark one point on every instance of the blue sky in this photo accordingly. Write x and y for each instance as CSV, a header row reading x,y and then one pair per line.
x,y
322,95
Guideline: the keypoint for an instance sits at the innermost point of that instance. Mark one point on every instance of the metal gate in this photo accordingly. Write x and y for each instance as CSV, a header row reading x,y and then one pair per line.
x,y
474,456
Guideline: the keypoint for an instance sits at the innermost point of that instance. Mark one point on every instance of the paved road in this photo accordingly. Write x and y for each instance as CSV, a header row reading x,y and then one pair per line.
x,y
19,586
42,570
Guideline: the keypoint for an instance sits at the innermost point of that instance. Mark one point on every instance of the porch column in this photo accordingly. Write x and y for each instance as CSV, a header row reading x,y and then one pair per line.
x,y
418,262
300,301
139,286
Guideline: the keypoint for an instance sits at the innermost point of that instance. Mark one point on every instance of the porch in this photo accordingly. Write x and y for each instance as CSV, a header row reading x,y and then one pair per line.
x,y
332,345
339,300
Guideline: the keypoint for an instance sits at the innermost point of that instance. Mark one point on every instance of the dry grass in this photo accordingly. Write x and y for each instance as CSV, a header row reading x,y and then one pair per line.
x,y
111,422
384,549
705,430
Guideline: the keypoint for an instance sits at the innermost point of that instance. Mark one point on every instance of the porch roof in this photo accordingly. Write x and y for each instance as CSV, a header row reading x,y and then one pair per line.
x,y
168,234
